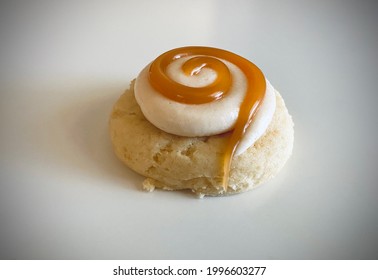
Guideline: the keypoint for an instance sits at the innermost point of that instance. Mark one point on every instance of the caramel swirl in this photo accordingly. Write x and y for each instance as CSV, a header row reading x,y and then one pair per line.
x,y
211,58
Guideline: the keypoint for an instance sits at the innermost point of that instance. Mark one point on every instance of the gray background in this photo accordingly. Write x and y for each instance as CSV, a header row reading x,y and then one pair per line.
x,y
63,194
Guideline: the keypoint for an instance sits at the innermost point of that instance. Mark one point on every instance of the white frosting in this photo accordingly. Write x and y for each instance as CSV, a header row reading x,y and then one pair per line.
x,y
205,77
203,119
261,120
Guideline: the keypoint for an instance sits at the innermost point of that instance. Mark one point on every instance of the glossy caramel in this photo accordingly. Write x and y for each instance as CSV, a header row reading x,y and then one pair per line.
x,y
210,57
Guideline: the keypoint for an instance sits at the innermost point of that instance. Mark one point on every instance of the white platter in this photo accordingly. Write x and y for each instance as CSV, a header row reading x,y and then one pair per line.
x,y
64,195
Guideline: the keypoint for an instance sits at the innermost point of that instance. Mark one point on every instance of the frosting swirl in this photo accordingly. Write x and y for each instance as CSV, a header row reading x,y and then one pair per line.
x,y
202,91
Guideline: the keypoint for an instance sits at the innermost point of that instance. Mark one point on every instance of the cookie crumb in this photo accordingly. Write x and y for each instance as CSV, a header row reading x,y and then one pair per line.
x,y
148,185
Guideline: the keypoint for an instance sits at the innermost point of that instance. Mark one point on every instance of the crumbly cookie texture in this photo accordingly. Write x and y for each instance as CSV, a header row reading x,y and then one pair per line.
x,y
173,162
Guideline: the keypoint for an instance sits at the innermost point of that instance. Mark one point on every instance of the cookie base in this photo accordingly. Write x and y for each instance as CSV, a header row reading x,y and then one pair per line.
x,y
172,162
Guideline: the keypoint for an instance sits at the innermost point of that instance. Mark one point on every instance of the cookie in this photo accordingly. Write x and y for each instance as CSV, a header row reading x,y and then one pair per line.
x,y
173,162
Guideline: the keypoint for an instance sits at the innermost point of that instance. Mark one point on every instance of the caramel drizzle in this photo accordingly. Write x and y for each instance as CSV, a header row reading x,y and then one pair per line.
x,y
210,57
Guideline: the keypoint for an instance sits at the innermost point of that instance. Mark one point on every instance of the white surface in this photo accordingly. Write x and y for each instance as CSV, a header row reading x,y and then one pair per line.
x,y
64,195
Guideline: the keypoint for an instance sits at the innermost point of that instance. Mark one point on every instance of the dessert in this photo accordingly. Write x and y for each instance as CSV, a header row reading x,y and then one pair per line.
x,y
203,119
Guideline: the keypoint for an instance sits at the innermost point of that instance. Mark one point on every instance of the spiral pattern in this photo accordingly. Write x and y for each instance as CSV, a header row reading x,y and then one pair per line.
x,y
206,57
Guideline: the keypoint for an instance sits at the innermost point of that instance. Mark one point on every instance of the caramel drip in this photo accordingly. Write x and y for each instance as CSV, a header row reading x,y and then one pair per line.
x,y
210,57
